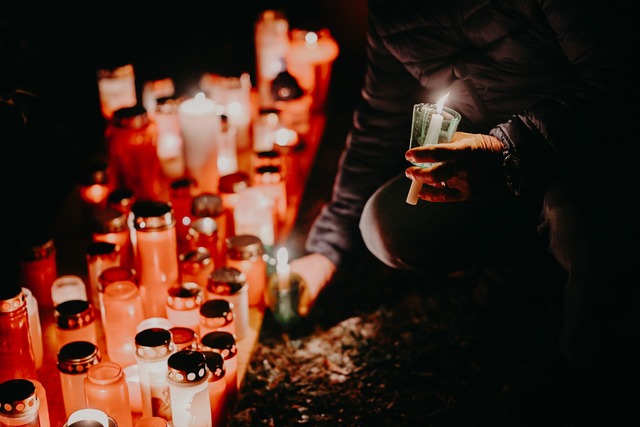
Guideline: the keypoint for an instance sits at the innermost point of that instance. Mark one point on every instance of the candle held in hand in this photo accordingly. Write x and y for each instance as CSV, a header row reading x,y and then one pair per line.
x,y
439,124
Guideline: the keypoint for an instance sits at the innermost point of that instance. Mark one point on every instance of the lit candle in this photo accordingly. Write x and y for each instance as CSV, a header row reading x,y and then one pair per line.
x,y
433,132
200,125
310,59
283,269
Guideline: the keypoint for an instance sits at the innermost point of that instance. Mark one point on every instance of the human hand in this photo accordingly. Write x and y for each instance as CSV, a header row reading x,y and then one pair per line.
x,y
468,167
315,270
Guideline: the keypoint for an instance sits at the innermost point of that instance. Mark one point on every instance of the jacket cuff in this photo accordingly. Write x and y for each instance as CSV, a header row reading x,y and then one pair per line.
x,y
511,161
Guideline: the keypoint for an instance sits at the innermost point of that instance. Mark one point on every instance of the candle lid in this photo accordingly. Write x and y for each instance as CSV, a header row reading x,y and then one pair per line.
x,y
207,205
186,296
76,357
187,366
216,312
73,314
130,117
184,338
234,182
110,220
244,246
154,343
182,187
285,87
11,298
116,273
18,397
121,199
226,281
222,342
205,226
35,246
99,249
215,364
151,215
192,260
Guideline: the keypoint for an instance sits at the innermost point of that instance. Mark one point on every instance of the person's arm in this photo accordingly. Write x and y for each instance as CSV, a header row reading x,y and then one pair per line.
x,y
373,154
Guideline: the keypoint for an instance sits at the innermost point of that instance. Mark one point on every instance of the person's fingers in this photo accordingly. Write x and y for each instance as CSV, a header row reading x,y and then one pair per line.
x,y
305,300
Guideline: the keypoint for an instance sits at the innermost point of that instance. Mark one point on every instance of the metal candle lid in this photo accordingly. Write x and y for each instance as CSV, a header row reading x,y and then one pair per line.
x,y
12,300
121,199
215,363
151,215
130,117
207,204
36,246
244,246
205,226
186,296
184,338
154,343
73,314
97,250
76,357
182,187
110,220
18,397
234,182
194,260
226,281
222,342
216,313
187,366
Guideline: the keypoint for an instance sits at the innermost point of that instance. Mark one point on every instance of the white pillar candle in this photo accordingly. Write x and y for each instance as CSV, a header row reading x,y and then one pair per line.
x,y
200,126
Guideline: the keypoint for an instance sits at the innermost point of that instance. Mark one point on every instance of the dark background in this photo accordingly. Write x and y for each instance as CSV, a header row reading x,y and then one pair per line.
x,y
53,50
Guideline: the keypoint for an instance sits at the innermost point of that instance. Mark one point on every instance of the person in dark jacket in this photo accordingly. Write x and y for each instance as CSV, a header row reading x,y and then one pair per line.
x,y
540,152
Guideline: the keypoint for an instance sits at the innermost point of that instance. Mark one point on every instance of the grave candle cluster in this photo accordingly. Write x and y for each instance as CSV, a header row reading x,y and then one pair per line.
x,y
158,260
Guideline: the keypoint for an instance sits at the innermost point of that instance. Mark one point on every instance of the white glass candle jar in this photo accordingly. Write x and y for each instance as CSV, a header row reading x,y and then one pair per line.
x,y
271,33
254,215
196,265
116,88
217,388
153,348
157,248
123,310
246,253
230,284
209,205
99,256
224,343
183,305
106,390
112,225
189,389
217,315
74,360
35,327
75,320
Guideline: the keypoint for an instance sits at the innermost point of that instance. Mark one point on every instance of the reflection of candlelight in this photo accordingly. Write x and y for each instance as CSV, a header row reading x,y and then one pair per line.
x,y
283,270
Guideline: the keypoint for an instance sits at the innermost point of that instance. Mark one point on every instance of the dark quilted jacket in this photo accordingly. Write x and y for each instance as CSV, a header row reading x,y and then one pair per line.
x,y
530,72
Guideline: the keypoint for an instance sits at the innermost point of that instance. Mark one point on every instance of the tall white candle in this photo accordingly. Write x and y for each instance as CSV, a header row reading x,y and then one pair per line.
x,y
200,125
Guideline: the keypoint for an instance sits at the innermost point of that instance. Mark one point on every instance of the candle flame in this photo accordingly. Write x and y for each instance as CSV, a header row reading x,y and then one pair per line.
x,y
440,103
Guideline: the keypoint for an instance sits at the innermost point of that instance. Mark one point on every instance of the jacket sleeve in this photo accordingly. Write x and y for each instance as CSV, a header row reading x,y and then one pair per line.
x,y
561,134
374,151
